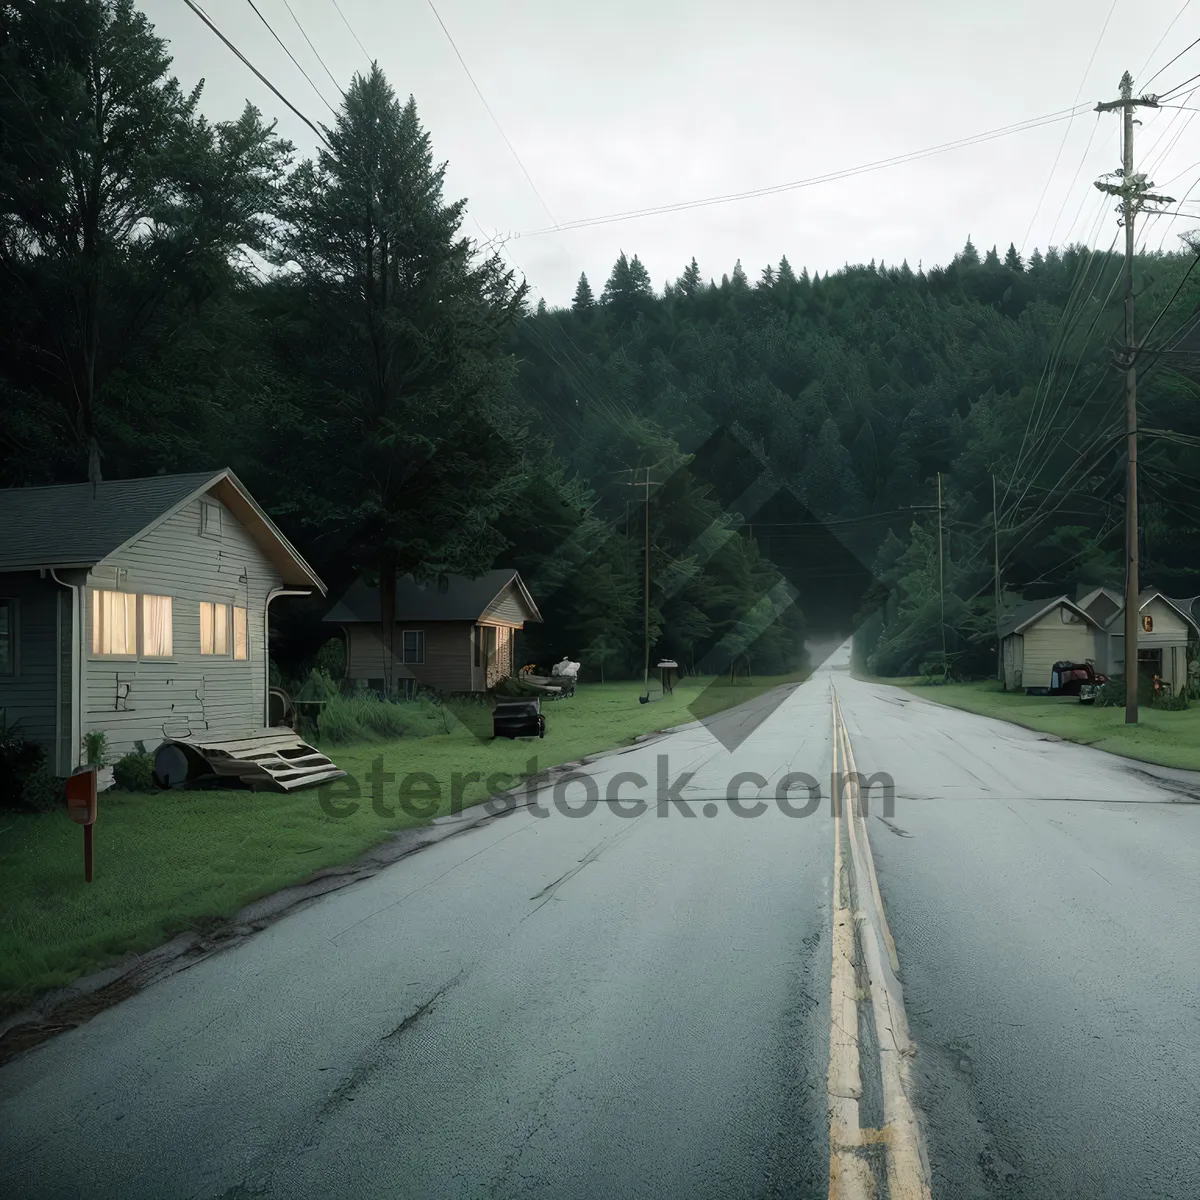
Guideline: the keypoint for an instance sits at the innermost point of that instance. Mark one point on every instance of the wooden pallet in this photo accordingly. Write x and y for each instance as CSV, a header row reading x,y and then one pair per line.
x,y
276,758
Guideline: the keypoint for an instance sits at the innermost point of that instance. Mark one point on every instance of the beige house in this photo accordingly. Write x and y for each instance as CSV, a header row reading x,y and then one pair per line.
x,y
1036,635
1165,627
139,609
456,636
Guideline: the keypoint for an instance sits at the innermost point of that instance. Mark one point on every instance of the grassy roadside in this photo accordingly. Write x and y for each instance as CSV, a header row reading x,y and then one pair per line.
x,y
169,862
1168,739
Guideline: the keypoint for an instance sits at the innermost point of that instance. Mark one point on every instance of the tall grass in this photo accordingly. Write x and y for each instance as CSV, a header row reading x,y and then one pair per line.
x,y
347,719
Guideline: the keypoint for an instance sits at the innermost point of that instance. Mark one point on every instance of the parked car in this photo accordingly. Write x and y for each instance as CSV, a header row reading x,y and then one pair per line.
x,y
1075,679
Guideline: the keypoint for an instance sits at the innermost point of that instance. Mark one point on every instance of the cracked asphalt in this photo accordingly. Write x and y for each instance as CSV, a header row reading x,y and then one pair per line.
x,y
610,1005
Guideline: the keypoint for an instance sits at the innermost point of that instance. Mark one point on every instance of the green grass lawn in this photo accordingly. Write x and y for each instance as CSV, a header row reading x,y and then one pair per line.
x,y
1170,739
169,862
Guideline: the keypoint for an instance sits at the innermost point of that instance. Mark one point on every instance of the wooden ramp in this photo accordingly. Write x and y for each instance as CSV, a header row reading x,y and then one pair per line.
x,y
273,758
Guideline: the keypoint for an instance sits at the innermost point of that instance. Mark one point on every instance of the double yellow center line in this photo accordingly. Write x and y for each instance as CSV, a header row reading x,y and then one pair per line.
x,y
864,970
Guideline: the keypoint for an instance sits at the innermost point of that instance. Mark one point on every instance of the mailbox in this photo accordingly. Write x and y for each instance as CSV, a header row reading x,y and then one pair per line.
x,y
81,797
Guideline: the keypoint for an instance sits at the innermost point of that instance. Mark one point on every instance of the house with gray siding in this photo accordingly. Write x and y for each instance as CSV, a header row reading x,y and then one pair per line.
x,y
139,608
452,635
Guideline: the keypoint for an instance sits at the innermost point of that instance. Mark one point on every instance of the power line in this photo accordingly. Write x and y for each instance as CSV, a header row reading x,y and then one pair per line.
x,y
1163,39
313,48
290,55
208,21
486,105
896,160
1067,131
352,33
1167,64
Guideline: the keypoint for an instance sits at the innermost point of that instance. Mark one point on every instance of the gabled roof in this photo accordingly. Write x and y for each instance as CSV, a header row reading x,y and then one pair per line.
x,y
462,600
78,525
1182,607
1018,619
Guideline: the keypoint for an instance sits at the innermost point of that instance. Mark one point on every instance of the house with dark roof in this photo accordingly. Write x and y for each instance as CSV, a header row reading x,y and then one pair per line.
x,y
1165,626
138,608
1037,634
454,634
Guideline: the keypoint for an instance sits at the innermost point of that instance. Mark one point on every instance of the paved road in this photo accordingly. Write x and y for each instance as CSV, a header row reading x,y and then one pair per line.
x,y
544,1007
616,1006
1045,903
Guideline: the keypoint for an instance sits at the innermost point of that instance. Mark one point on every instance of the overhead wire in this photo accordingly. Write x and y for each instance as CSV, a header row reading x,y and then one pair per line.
x,y
1173,60
271,29
262,78
811,181
316,53
346,22
1067,130
1160,41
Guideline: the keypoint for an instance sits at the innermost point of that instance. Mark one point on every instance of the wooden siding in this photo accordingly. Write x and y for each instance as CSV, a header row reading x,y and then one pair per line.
x,y
1170,635
191,695
506,609
1053,640
30,696
448,650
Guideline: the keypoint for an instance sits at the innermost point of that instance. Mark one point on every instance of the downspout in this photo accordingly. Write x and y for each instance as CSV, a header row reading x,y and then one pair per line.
x,y
76,731
271,595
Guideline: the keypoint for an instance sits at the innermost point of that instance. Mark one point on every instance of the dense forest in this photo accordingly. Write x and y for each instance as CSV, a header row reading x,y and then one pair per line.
x,y
180,294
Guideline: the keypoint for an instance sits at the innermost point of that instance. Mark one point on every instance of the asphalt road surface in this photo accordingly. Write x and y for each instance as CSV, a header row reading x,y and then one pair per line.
x,y
610,1005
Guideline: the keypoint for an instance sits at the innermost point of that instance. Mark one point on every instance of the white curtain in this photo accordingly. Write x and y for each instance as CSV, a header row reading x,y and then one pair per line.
x,y
114,623
241,639
214,628
157,631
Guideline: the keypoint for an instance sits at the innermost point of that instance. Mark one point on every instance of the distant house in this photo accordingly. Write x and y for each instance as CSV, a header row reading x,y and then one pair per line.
x,y
1164,628
1036,635
456,636
138,608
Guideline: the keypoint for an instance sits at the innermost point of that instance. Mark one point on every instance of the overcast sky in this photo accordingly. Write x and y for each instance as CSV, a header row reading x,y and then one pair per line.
x,y
629,104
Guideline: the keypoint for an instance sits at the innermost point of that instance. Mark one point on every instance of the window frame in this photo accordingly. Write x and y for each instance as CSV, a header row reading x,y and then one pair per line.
x,y
210,515
214,605
233,639
141,627
93,613
419,650
11,667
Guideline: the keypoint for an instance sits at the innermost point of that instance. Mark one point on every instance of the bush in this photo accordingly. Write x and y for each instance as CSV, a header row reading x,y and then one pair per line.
x,y
346,719
134,772
19,759
331,658
1112,693
43,791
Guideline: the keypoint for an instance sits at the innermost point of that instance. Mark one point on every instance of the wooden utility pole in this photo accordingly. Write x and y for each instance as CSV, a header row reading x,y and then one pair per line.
x,y
996,552
1133,194
941,573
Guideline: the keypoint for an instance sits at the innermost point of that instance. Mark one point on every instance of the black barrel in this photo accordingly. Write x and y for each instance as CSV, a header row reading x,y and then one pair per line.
x,y
518,718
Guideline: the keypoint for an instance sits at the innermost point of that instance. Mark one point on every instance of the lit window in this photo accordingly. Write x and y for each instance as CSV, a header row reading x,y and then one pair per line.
x,y
157,632
214,628
241,632
114,623
413,641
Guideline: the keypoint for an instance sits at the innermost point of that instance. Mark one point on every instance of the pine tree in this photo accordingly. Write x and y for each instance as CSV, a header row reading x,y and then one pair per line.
x,y
992,259
739,280
1012,260
786,275
583,301
541,306
768,277
968,255
689,281
628,289
1036,261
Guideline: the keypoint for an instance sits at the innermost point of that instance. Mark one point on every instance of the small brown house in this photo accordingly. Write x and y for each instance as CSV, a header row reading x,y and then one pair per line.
x,y
452,636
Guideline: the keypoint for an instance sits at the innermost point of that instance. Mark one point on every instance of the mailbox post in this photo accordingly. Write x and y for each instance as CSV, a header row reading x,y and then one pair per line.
x,y
81,808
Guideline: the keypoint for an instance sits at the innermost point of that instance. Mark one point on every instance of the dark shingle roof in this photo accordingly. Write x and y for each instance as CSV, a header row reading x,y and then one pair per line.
x,y
75,525
1017,617
463,600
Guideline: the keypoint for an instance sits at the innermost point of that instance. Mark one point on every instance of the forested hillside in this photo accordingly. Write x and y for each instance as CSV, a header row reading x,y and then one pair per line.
x,y
181,295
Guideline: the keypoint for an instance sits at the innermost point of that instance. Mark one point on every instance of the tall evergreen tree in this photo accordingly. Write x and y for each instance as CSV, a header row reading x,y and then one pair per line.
x,y
786,275
412,388
992,259
968,255
1012,260
739,280
583,300
690,282
628,290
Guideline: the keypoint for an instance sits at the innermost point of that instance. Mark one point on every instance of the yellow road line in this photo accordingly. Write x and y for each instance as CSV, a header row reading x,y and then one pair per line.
x,y
907,1167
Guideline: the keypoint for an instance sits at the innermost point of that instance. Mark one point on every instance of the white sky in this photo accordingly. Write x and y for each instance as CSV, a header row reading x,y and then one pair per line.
x,y
624,105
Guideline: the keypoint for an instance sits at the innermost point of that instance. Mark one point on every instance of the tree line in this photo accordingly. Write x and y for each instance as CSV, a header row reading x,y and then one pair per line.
x,y
182,294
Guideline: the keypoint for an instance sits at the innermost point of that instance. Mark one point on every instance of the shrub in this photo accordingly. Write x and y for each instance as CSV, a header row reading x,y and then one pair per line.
x,y
346,719
95,748
43,791
134,772
19,759
1112,693
331,658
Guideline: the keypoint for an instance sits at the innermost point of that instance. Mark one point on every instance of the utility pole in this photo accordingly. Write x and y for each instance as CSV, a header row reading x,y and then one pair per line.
x,y
941,573
646,483
1132,191
996,550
